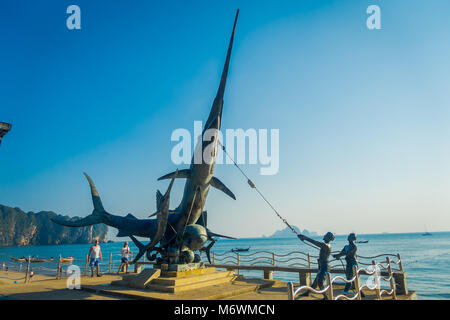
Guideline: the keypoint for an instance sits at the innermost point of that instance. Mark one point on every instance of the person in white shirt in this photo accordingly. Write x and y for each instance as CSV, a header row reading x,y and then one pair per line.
x,y
125,252
94,255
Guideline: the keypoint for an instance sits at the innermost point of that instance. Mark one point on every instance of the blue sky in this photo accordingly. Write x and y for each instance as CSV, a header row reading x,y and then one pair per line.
x,y
363,115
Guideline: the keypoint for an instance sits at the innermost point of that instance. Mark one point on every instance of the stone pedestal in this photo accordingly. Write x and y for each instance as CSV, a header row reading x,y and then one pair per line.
x,y
168,278
138,281
194,278
180,267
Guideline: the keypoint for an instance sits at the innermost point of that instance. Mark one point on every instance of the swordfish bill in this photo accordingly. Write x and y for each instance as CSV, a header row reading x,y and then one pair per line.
x,y
200,175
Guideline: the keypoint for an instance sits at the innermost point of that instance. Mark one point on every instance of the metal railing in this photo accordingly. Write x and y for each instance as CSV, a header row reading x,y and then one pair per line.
x,y
328,290
58,268
305,265
297,258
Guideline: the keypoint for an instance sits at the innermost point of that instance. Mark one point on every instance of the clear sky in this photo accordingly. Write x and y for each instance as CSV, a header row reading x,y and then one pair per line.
x,y
363,114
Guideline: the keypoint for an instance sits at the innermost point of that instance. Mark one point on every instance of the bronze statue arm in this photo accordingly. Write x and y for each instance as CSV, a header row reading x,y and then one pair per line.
x,y
340,254
314,242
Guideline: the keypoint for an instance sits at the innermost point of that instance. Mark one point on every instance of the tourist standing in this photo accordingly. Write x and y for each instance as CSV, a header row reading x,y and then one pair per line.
x,y
125,253
95,256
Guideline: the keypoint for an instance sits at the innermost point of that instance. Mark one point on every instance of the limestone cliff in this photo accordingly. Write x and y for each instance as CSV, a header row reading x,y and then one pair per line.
x,y
18,228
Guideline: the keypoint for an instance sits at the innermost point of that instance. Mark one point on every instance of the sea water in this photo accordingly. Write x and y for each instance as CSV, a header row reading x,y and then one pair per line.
x,y
426,259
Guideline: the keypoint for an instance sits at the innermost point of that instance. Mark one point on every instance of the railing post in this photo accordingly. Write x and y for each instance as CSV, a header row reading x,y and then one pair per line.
x,y
309,267
377,279
290,290
330,287
239,270
273,258
27,275
268,274
58,268
391,279
400,283
400,265
85,265
214,258
357,284
109,264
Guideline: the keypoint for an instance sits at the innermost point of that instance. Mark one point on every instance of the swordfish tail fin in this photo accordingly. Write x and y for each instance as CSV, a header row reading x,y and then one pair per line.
x,y
98,206
98,215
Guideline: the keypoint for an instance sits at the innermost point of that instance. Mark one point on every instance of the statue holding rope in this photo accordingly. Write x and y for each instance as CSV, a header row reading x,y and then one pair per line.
x,y
324,255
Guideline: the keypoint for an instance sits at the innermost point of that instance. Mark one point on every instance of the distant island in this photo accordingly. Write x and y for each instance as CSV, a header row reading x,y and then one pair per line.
x,y
287,233
18,228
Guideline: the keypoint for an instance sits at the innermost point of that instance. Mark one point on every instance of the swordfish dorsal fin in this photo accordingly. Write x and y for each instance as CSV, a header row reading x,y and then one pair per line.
x,y
130,216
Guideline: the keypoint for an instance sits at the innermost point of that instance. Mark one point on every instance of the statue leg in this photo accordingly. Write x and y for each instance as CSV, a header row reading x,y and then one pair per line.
x,y
349,276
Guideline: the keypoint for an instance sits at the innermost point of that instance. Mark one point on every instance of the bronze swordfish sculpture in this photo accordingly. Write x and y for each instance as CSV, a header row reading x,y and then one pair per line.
x,y
175,234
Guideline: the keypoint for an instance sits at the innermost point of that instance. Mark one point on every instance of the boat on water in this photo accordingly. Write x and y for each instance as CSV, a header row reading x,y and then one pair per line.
x,y
67,260
363,241
426,233
240,249
32,259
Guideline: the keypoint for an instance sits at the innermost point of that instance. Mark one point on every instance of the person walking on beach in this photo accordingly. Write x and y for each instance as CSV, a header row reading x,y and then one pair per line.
x,y
324,254
94,255
125,252
349,251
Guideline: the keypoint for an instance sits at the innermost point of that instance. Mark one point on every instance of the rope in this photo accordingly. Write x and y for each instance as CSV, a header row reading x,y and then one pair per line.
x,y
253,186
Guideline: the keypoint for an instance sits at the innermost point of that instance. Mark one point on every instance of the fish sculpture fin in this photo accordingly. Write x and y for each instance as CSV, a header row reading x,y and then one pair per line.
x,y
182,174
216,183
159,199
208,249
203,220
122,233
213,234
99,215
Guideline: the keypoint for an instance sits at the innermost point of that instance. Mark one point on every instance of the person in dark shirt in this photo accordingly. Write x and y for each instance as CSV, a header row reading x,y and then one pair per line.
x,y
324,254
349,251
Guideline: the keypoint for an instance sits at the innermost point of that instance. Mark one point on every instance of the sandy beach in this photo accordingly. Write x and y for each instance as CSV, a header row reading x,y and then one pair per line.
x,y
13,287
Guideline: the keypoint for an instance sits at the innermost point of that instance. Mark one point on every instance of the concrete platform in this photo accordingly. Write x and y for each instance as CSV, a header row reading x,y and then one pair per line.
x,y
212,292
48,288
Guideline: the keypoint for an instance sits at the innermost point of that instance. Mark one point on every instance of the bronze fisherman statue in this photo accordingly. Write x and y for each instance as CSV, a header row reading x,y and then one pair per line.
x,y
324,254
349,251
